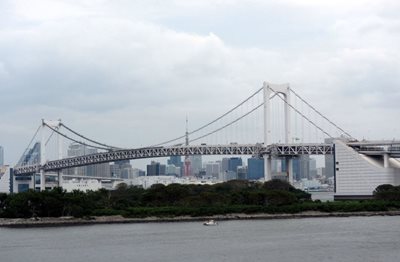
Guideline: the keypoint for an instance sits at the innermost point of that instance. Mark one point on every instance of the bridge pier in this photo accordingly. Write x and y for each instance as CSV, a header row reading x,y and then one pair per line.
x,y
289,167
59,175
272,89
386,160
267,168
32,183
42,180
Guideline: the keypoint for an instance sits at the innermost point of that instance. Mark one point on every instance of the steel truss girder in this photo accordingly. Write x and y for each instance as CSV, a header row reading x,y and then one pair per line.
x,y
152,152
300,149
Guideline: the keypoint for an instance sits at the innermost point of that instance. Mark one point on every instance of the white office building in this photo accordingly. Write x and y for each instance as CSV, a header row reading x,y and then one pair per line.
x,y
357,175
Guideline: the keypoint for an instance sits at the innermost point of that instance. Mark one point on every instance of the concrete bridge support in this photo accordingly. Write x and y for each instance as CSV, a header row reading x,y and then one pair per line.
x,y
273,89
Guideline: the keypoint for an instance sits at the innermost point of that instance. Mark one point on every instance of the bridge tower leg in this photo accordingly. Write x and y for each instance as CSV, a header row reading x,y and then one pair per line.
x,y
270,89
386,160
290,169
60,153
42,158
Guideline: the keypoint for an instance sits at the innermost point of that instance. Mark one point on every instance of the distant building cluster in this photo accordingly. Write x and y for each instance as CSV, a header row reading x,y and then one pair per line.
x,y
108,175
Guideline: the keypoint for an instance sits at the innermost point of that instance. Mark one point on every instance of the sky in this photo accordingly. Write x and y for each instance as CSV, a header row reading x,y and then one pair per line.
x,y
127,73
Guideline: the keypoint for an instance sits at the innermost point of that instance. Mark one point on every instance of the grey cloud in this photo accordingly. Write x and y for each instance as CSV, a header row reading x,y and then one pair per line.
x,y
130,80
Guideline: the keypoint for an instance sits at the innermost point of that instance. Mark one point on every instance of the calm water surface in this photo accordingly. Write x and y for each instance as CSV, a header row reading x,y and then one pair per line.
x,y
307,240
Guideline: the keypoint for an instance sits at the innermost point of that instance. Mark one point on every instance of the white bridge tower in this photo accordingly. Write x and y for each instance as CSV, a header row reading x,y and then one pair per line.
x,y
271,90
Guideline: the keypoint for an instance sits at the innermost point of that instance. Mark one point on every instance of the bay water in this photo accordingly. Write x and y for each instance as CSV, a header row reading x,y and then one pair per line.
x,y
357,239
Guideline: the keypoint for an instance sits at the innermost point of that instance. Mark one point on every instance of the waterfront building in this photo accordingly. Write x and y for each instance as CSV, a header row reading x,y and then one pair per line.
x,y
224,165
172,170
301,167
196,164
122,169
229,175
234,163
242,172
176,161
31,156
98,170
255,168
81,184
156,169
5,179
148,181
229,165
138,172
213,169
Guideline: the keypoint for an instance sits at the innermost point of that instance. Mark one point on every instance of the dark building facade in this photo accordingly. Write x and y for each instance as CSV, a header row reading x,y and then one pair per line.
x,y
255,168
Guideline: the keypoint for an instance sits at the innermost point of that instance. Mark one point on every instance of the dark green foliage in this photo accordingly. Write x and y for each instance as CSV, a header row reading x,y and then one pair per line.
x,y
235,196
387,192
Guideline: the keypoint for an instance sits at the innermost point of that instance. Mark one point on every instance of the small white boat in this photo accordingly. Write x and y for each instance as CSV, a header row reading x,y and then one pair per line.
x,y
210,222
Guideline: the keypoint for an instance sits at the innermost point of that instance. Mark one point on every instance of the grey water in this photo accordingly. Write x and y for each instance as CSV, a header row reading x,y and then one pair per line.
x,y
307,240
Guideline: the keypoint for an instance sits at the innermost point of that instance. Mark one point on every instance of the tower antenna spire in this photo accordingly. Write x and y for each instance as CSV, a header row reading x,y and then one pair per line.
x,y
187,132
187,172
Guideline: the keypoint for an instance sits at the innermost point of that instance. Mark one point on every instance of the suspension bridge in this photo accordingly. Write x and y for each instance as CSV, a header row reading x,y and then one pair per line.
x,y
273,122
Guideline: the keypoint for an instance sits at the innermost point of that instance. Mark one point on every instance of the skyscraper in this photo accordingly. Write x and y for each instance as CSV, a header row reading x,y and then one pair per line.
x,y
212,169
234,163
156,169
197,164
301,167
255,169
177,162
98,170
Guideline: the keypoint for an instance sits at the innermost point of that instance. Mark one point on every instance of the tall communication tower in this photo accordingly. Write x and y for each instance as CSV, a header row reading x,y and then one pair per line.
x,y
188,164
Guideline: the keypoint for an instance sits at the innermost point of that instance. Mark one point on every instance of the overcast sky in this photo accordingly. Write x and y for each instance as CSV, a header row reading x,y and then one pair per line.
x,y
128,72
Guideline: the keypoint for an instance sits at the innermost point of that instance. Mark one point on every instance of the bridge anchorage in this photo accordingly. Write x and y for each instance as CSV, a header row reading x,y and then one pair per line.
x,y
275,114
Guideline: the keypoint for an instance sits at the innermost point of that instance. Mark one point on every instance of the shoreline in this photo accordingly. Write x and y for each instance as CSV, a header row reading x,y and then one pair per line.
x,y
70,221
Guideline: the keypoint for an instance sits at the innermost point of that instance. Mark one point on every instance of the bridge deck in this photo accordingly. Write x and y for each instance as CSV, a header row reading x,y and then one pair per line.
x,y
152,152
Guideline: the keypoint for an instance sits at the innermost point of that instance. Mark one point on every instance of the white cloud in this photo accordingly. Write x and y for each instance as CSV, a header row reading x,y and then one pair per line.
x,y
117,75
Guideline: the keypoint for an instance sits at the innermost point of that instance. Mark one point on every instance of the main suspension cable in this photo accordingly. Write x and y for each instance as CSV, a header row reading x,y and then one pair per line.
x,y
88,139
230,123
212,122
319,113
305,117
76,141
27,148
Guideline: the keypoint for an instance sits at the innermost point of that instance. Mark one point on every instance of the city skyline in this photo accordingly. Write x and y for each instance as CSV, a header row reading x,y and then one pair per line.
x,y
143,67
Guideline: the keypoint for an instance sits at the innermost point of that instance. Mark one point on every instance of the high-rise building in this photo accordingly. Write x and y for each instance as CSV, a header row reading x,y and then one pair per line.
x,y
98,170
224,165
301,167
213,169
122,169
172,170
31,156
229,168
313,168
5,179
176,161
255,168
234,163
138,172
229,175
242,172
156,169
329,166
1,156
196,164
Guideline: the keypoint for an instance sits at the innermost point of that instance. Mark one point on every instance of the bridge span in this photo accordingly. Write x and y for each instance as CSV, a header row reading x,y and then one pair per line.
x,y
152,152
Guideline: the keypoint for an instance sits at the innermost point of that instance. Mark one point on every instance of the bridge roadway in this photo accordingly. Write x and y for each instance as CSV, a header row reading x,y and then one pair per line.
x,y
152,152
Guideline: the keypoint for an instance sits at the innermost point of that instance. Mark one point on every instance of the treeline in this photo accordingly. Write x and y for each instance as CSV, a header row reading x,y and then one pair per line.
x,y
235,196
